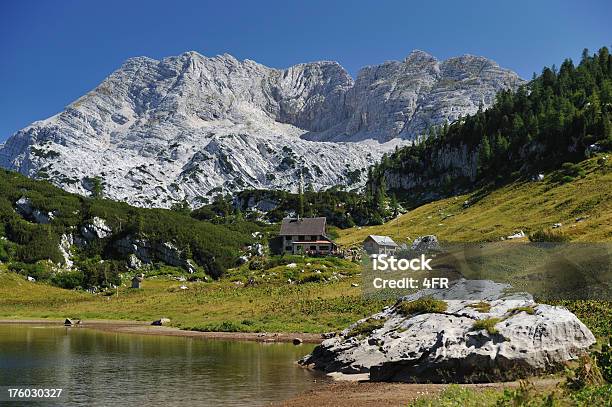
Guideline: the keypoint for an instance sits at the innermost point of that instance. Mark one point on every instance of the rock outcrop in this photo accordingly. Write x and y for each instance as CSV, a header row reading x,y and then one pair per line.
x,y
141,251
96,229
425,243
481,335
189,127
26,209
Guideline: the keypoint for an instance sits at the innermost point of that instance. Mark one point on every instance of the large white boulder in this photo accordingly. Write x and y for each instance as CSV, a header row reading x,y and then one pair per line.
x,y
525,338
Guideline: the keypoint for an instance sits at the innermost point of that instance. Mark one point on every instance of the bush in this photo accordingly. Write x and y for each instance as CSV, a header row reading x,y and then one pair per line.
x,y
422,306
481,306
529,310
40,270
604,360
366,327
548,236
487,324
312,278
69,280
4,255
586,374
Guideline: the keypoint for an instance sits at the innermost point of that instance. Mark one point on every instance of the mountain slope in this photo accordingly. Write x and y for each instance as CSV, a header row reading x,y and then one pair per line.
x,y
583,207
188,127
100,238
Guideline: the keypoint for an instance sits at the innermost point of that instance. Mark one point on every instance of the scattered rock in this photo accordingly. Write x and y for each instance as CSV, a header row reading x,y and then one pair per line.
x,y
291,265
426,243
242,260
134,262
518,235
328,335
354,285
161,321
148,252
556,225
257,249
297,341
25,208
68,322
520,338
96,229
31,279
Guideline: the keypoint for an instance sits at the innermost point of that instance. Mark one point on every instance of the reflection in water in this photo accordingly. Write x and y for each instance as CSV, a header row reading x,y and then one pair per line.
x,y
100,368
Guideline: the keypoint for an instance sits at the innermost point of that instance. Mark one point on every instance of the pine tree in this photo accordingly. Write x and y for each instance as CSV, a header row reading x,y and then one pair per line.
x,y
96,188
394,205
484,154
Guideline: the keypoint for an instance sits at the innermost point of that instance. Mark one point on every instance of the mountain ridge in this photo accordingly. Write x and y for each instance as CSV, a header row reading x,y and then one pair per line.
x,y
161,131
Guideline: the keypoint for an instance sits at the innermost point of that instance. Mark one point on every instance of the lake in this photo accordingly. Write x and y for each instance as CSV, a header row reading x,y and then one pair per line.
x,y
97,368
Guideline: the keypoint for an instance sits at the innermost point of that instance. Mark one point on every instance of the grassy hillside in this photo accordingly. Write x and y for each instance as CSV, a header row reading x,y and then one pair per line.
x,y
525,205
271,304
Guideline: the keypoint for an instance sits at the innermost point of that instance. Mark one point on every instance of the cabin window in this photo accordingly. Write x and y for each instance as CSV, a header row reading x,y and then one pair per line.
x,y
301,238
313,247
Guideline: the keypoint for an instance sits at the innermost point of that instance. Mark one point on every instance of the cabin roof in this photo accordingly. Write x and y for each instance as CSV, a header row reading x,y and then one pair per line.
x,y
304,226
382,240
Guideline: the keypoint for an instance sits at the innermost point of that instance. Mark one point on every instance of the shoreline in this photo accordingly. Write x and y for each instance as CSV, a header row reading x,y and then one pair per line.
x,y
335,390
145,328
366,393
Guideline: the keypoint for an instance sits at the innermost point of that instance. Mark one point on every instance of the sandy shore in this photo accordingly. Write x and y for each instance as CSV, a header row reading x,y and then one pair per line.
x,y
356,394
145,328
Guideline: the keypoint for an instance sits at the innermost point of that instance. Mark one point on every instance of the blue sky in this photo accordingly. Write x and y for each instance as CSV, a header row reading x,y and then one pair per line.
x,y
53,52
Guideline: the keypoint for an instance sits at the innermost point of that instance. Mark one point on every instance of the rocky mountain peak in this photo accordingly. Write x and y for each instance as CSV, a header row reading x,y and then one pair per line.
x,y
191,126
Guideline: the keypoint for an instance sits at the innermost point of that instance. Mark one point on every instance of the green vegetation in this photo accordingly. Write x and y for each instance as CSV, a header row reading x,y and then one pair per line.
x,y
527,394
583,206
31,246
422,306
366,327
528,309
341,208
548,235
228,304
487,324
604,360
556,120
481,306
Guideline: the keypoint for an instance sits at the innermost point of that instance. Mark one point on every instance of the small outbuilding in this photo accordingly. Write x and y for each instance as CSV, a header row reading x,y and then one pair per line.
x,y
374,244
137,280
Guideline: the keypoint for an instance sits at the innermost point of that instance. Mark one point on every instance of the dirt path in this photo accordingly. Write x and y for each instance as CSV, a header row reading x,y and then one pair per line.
x,y
145,328
356,394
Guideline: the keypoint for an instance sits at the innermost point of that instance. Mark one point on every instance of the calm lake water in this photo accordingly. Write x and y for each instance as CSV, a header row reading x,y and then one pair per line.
x,y
100,369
